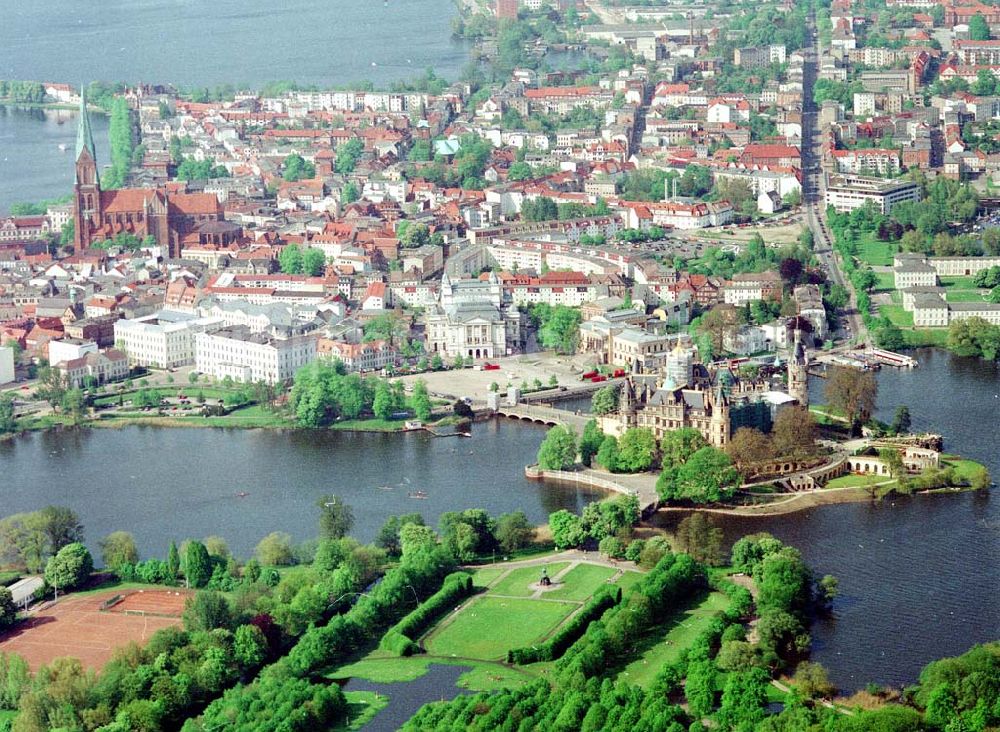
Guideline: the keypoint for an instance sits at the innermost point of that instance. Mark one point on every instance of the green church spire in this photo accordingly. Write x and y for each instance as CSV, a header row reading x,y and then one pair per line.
x,y
84,135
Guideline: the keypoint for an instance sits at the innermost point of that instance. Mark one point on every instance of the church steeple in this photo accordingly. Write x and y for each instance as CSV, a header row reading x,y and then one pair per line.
x,y
85,136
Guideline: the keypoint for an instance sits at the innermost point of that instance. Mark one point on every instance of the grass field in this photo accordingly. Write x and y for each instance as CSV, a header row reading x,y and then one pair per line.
x,y
483,577
956,295
581,582
519,582
856,481
897,315
963,468
666,644
628,580
876,253
361,707
489,626
886,282
382,668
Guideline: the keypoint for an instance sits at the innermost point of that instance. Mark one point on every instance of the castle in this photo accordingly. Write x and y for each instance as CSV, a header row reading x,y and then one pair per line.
x,y
716,403
173,219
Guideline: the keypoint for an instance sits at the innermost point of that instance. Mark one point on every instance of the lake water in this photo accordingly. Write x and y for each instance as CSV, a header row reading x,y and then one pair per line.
x,y
918,576
32,167
193,43
163,484
242,42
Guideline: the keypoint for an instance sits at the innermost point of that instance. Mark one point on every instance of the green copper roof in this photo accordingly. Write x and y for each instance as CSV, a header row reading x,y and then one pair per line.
x,y
84,135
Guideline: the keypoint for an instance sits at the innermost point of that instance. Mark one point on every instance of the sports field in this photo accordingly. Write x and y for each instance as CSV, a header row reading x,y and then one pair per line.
x,y
79,626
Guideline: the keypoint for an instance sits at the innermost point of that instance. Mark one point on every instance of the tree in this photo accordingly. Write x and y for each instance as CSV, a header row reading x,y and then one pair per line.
x,y
539,209
590,442
637,449
197,564
699,687
8,611
707,477
421,401
514,531
677,446
249,646
520,171
384,403
295,168
979,29
736,655
70,567
61,526
290,259
348,154
794,432
744,698
567,529
901,421
349,193
853,393
275,549
812,681
388,537
173,561
749,446
416,537
216,547
335,518
980,479
207,610
117,549
605,400
558,449
608,453
313,262
8,422
561,330
74,405
697,536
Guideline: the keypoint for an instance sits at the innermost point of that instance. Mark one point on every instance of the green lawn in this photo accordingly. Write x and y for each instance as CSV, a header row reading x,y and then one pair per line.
x,y
629,580
519,582
958,283
361,707
484,576
669,641
964,469
897,315
381,668
957,295
886,281
581,582
876,253
856,481
488,627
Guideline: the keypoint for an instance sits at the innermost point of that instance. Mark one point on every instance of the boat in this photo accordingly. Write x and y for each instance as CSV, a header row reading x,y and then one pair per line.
x,y
417,494
242,494
63,147
385,487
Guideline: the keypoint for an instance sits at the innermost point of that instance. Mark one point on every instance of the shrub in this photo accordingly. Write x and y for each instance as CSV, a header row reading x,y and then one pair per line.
x,y
457,586
555,646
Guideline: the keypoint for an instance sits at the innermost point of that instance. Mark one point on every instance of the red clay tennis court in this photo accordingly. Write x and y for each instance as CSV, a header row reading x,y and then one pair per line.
x,y
91,627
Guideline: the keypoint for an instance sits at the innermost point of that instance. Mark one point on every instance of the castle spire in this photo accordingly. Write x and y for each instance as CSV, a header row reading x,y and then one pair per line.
x,y
84,133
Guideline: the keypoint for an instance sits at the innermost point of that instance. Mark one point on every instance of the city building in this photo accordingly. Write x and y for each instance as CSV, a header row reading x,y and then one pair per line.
x,y
247,357
102,367
846,193
6,364
472,318
164,340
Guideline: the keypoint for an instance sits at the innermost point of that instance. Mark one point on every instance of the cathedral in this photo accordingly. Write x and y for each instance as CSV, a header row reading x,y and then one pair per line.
x,y
174,220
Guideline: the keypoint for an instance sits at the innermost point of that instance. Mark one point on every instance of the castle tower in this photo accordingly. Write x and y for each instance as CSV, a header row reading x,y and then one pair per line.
x,y
87,184
798,372
720,425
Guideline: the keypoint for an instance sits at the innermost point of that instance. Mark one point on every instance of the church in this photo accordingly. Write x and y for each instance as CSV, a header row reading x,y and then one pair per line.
x,y
175,220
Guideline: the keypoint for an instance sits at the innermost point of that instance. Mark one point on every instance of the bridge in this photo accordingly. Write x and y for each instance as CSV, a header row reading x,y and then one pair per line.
x,y
545,415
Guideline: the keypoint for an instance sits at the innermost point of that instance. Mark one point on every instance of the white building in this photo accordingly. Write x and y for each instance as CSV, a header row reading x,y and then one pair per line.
x,y
846,193
247,357
6,364
473,319
164,340
70,349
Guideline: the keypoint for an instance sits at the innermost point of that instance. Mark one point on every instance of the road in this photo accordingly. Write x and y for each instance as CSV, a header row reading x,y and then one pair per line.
x,y
813,190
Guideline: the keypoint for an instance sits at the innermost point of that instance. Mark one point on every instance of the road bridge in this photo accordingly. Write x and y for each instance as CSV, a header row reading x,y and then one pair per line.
x,y
545,415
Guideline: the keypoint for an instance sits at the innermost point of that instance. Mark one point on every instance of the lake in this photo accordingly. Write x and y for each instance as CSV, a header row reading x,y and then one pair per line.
x,y
193,43
166,484
918,576
32,167
241,42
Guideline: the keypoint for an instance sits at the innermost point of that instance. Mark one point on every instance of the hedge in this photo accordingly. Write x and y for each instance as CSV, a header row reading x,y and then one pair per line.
x,y
400,638
555,646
